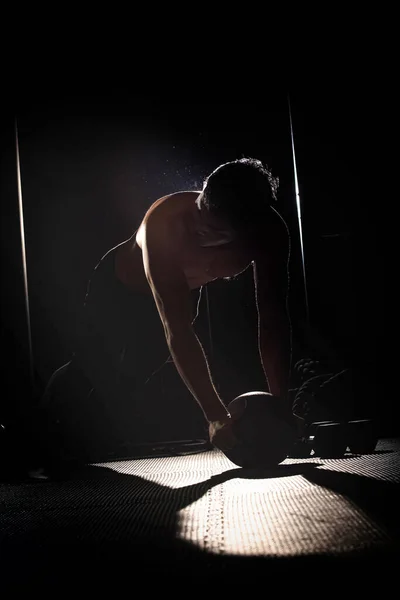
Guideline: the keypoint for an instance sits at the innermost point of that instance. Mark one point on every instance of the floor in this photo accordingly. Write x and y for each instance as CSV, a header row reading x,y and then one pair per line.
x,y
197,518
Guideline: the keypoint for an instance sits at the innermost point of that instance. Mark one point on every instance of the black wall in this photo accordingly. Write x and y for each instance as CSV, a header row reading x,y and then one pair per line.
x,y
90,167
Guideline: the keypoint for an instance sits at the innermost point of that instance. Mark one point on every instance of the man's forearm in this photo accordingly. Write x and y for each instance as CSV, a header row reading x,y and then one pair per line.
x,y
275,351
192,366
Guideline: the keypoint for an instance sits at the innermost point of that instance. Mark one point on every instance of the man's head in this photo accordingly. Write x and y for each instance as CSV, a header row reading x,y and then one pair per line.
x,y
239,193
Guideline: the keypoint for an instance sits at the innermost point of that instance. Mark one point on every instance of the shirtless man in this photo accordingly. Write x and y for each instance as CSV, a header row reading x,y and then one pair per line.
x,y
188,239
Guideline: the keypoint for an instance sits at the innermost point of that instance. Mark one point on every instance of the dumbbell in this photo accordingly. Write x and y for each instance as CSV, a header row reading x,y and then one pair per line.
x,y
331,439
362,436
326,438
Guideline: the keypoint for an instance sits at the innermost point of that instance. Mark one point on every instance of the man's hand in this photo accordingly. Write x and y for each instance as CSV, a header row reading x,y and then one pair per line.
x,y
221,434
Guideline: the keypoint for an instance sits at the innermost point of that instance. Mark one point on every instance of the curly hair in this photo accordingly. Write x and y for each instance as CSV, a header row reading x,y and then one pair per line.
x,y
240,191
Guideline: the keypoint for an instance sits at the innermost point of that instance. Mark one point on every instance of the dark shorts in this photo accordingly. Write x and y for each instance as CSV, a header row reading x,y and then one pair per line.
x,y
120,348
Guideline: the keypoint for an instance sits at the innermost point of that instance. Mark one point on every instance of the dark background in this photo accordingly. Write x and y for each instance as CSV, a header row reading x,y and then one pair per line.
x,y
91,166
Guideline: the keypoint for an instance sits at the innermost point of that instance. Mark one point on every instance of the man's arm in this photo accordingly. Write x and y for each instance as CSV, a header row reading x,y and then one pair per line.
x,y
172,296
274,329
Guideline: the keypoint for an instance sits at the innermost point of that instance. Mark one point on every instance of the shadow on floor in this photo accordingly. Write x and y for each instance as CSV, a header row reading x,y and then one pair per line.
x,y
379,499
98,528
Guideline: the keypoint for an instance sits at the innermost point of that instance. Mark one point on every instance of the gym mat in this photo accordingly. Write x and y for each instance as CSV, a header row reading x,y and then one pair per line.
x,y
179,516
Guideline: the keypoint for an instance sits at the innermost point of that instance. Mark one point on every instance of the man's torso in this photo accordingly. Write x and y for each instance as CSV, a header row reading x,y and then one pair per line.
x,y
200,263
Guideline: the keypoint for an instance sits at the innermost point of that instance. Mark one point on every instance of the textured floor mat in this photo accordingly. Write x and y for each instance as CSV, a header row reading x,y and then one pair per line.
x,y
181,513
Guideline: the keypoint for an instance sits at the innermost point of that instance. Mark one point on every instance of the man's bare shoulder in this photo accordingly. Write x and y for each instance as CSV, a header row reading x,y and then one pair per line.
x,y
164,224
170,205
271,239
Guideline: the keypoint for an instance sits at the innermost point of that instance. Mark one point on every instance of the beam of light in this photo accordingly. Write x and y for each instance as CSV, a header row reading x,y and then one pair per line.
x,y
298,204
25,273
210,504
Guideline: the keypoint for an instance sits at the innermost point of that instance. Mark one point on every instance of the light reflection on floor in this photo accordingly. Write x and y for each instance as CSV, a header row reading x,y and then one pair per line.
x,y
278,514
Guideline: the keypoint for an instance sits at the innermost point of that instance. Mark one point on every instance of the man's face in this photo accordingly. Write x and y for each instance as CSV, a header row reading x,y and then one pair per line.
x,y
215,232
213,229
